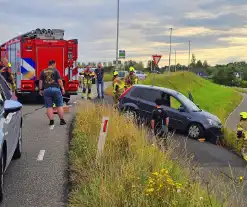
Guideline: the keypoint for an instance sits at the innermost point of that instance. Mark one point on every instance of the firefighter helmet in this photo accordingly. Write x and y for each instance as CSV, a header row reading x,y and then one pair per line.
x,y
131,69
115,73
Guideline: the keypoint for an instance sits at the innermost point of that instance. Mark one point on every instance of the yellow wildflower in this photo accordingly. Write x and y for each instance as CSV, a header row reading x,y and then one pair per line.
x,y
155,173
164,171
241,178
150,190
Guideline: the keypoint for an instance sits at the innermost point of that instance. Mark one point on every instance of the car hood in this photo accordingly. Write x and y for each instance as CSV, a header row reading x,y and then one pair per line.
x,y
208,115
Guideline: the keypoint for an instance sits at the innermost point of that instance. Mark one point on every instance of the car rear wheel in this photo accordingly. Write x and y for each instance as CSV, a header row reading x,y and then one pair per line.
x,y
18,150
1,176
195,131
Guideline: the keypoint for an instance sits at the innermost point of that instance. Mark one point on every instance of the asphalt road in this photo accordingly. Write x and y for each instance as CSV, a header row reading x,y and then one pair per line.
x,y
39,178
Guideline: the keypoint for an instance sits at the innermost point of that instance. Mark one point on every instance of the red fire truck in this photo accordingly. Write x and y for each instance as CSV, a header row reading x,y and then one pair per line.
x,y
30,53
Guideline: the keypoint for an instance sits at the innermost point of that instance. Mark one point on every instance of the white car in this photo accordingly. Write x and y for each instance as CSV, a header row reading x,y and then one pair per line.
x,y
141,75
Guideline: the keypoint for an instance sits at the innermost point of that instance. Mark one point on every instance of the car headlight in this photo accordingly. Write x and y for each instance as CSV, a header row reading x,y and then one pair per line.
x,y
212,122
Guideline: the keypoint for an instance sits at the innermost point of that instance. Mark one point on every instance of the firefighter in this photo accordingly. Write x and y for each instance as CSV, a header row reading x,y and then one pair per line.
x,y
87,82
6,73
131,78
117,88
242,133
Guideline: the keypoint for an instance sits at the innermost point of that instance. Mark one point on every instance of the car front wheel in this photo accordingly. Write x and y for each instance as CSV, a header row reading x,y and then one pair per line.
x,y
195,131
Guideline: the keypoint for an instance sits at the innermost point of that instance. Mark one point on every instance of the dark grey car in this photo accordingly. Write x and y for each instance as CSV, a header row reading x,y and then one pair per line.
x,y
189,118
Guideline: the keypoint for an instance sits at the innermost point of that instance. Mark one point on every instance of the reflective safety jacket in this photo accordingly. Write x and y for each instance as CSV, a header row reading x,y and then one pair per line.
x,y
87,76
118,85
131,80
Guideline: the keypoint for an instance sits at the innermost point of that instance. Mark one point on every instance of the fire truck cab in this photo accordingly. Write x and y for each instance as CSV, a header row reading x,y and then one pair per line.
x,y
30,53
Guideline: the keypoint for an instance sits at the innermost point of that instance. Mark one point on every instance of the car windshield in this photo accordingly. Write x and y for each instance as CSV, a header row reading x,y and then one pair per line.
x,y
188,103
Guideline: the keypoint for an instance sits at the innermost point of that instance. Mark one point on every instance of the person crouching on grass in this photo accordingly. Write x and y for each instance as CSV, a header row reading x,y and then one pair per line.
x,y
52,84
160,120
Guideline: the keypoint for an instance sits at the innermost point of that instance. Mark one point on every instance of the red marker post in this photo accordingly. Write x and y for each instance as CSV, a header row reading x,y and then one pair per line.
x,y
102,136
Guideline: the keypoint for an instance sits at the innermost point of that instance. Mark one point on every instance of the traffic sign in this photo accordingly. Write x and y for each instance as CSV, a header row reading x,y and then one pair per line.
x,y
121,54
156,59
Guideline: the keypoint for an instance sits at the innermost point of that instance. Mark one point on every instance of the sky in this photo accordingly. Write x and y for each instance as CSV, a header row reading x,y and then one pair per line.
x,y
217,28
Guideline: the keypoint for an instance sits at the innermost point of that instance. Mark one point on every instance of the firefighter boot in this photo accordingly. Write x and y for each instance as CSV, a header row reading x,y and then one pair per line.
x,y
83,95
89,94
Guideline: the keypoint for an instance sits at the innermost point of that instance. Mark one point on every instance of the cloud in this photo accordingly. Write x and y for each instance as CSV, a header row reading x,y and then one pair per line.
x,y
215,27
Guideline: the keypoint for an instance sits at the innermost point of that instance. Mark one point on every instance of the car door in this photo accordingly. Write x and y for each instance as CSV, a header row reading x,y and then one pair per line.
x,y
133,99
147,101
7,129
178,119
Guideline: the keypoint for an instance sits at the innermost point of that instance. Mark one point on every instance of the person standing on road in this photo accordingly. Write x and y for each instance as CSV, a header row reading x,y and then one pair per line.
x,y
160,120
100,80
87,82
117,88
51,87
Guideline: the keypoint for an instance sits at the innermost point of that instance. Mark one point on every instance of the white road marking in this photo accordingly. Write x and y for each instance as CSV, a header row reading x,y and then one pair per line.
x,y
41,155
52,127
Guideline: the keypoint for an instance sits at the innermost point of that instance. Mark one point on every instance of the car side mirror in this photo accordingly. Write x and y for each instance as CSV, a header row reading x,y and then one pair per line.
x,y
181,109
11,106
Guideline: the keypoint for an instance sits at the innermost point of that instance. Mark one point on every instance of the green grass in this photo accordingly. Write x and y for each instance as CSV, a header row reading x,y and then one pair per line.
x,y
131,172
108,77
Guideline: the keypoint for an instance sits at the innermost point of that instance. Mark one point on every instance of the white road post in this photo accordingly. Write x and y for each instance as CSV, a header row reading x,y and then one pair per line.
x,y
102,136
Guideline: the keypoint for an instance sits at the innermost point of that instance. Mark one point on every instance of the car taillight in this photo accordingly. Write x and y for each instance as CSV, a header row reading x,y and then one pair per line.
x,y
125,92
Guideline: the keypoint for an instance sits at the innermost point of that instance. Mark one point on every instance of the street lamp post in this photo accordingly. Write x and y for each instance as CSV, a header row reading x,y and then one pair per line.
x,y
175,60
117,33
189,57
170,50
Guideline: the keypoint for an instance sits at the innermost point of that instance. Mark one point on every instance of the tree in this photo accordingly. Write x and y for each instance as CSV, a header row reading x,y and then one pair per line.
x,y
205,64
193,61
83,65
109,64
139,66
104,64
199,64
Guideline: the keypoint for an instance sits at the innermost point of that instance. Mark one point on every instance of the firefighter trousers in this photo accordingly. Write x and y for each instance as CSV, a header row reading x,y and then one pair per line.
x,y
87,89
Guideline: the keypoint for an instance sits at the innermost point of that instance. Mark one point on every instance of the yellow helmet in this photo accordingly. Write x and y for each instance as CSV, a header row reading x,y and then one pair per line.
x,y
115,73
243,115
9,64
131,69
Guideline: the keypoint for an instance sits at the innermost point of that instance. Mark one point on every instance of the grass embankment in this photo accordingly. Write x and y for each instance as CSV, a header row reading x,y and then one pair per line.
x,y
211,97
131,172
